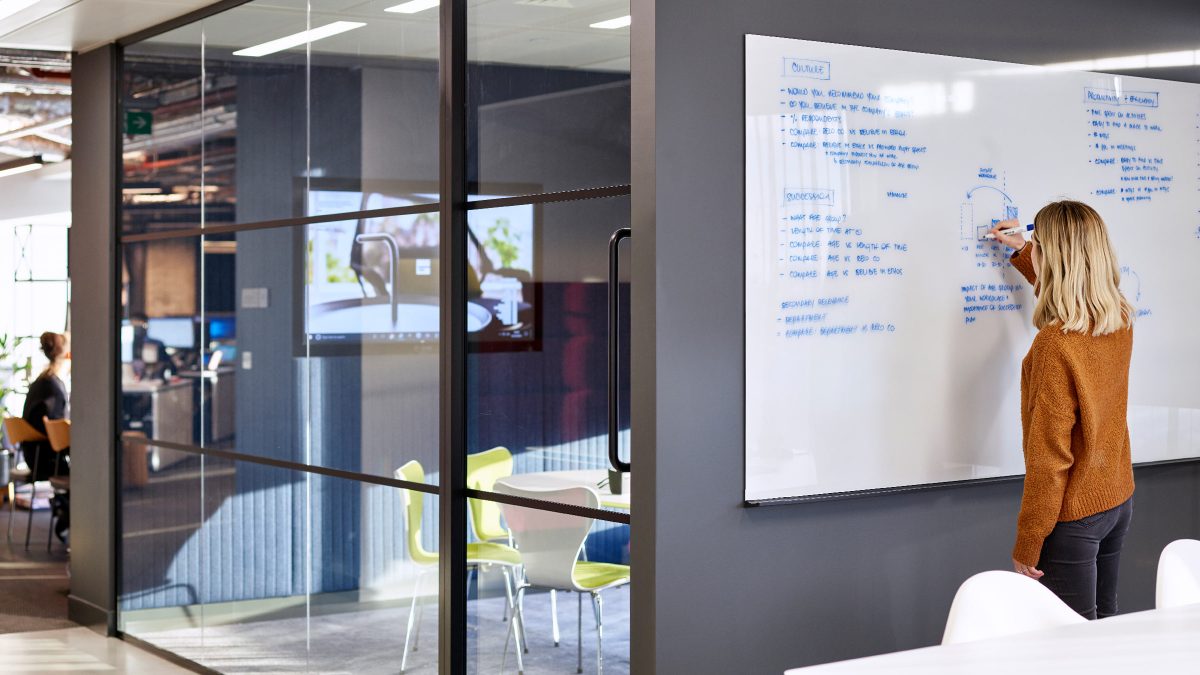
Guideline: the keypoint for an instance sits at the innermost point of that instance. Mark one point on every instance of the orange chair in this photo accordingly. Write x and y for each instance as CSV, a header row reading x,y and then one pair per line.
x,y
19,431
134,459
59,434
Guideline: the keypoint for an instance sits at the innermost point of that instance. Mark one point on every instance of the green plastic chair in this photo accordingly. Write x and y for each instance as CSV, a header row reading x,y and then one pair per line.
x,y
480,555
483,469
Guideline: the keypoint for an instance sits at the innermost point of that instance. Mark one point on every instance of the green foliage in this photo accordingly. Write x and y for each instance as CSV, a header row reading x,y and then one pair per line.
x,y
12,373
502,240
336,272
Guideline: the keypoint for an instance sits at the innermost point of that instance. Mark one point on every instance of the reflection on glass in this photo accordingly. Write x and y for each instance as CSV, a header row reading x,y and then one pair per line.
x,y
373,280
256,132
368,314
161,518
549,95
374,100
547,404
562,556
160,344
304,572
164,126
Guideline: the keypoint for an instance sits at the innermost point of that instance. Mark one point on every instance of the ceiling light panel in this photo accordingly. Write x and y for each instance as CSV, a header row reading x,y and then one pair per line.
x,y
412,6
297,39
613,24
556,4
21,166
10,7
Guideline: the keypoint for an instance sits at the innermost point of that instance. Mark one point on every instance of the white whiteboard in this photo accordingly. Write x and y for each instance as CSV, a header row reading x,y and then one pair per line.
x,y
883,340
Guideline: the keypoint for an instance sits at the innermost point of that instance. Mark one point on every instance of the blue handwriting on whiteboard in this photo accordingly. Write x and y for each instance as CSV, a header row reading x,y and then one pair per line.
x,y
1145,99
814,70
821,196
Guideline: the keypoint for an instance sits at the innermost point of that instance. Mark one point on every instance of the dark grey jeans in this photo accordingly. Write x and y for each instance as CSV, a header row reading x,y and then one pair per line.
x,y
1080,560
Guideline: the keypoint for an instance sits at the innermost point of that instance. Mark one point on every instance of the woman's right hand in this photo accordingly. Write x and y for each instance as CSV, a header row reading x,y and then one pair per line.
x,y
1013,241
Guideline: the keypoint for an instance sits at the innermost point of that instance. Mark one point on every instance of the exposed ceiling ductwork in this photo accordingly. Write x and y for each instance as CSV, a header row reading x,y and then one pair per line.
x,y
35,104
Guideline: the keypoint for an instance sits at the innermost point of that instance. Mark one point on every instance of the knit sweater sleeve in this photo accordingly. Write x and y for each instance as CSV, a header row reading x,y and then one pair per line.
x,y
1023,261
1048,458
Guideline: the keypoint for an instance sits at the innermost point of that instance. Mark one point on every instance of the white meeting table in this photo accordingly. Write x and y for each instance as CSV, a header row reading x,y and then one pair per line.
x,y
1156,641
591,477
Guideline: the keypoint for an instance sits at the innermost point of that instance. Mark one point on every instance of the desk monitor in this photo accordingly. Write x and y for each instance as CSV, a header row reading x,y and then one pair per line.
x,y
126,342
222,328
177,332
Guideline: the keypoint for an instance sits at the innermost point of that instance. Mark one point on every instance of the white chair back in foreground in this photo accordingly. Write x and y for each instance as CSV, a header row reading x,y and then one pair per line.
x,y
993,604
1178,574
550,543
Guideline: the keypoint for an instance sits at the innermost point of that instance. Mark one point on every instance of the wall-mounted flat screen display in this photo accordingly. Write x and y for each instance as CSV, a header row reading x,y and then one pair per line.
x,y
376,280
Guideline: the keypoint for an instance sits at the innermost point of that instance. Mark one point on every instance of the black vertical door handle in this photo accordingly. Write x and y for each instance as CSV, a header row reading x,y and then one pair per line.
x,y
614,346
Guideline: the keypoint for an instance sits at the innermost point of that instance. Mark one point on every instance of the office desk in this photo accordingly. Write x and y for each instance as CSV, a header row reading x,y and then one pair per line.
x,y
590,477
1156,641
170,416
217,389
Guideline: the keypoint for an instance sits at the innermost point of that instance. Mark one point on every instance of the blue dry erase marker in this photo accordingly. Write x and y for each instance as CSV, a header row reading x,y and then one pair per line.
x,y
1020,229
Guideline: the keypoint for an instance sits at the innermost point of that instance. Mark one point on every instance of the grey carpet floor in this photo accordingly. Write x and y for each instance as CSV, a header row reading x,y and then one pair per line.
x,y
33,582
372,641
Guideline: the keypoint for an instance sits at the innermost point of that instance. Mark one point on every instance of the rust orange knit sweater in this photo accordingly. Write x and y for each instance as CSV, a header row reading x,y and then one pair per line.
x,y
1074,393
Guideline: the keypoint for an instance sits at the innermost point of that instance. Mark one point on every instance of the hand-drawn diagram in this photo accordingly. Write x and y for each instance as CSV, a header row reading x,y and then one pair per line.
x,y
990,205
1131,281
1131,286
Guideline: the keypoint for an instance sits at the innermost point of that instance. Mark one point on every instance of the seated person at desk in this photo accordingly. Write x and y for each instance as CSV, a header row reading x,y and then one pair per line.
x,y
47,397
150,359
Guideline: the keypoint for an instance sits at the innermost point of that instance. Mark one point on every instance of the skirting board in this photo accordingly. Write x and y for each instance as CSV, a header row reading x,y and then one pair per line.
x,y
92,616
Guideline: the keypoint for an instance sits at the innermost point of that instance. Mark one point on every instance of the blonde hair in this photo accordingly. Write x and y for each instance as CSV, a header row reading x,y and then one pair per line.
x,y
1078,275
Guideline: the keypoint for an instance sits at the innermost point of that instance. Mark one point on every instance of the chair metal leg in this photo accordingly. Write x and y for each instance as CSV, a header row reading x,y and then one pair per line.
x,y
420,622
507,605
53,494
32,494
519,619
12,506
579,633
510,606
554,616
598,607
518,623
412,616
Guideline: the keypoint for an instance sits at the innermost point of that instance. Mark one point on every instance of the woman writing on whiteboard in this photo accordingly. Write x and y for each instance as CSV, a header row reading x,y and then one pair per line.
x,y
1078,494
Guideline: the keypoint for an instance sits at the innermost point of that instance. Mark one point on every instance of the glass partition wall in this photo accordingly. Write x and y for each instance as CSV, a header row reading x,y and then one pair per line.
x,y
321,470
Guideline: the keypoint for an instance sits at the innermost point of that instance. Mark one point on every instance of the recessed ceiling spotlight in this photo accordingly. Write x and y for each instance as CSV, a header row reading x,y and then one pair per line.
x,y
619,22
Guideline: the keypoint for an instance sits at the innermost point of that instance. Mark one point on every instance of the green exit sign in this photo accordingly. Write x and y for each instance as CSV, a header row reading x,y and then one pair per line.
x,y
139,123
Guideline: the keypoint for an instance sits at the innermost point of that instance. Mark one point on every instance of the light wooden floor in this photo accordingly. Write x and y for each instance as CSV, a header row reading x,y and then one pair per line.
x,y
77,650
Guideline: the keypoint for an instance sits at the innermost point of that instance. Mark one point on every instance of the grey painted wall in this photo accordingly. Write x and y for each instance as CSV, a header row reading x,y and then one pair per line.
x,y
92,265
724,588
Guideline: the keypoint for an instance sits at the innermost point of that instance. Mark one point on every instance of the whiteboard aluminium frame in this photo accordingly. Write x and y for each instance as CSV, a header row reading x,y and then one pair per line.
x,y
870,492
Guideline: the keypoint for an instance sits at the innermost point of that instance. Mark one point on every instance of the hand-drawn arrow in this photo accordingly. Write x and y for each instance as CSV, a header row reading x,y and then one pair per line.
x,y
989,187
1126,270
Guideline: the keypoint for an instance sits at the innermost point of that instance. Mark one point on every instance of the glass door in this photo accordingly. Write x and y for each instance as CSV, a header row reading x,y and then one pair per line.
x,y
313,447
548,171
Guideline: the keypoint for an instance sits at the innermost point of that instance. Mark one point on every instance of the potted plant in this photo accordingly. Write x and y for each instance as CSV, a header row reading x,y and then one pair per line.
x,y
12,375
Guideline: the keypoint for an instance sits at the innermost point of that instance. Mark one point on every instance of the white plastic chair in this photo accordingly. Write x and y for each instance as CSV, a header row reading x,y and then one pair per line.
x,y
1178,574
550,544
994,604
